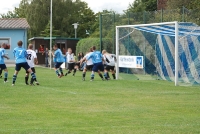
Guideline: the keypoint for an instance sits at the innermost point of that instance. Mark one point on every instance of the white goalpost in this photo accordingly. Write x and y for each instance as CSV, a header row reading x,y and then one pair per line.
x,y
175,33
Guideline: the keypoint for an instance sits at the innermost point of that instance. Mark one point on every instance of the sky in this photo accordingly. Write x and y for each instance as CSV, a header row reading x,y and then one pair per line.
x,y
95,5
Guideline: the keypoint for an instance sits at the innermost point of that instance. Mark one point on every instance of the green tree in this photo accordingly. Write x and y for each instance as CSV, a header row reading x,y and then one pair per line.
x,y
46,32
9,14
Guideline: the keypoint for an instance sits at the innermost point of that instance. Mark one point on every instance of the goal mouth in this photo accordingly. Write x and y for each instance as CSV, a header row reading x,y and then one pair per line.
x,y
170,51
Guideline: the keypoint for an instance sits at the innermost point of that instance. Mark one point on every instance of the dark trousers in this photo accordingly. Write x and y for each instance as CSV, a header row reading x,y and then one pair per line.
x,y
46,62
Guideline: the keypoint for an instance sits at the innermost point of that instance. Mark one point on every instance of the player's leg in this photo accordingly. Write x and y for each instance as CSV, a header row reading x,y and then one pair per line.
x,y
5,74
70,67
84,71
101,68
0,73
75,68
26,78
17,69
113,72
36,82
61,70
56,68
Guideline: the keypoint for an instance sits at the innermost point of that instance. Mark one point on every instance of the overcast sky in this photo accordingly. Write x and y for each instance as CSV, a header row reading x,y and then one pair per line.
x,y
95,5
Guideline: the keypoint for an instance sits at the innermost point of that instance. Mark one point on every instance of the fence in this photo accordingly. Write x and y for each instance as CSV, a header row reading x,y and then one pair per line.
x,y
108,21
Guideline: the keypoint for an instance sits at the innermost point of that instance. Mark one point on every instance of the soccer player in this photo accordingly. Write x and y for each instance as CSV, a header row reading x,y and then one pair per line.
x,y
59,59
71,62
31,60
0,68
20,55
110,63
2,63
97,59
89,64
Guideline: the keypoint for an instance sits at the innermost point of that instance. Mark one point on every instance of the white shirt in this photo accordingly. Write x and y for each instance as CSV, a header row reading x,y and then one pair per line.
x,y
109,59
31,55
70,57
89,62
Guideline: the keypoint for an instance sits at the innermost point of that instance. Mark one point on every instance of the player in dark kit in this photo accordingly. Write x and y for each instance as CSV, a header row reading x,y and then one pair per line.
x,y
59,59
20,55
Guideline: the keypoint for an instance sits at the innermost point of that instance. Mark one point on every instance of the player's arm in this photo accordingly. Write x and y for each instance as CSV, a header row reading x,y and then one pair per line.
x,y
35,59
4,55
82,60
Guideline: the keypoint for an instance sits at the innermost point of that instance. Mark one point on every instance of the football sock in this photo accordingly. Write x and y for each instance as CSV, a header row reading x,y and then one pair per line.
x,y
33,76
105,75
92,76
57,73
74,71
26,79
113,76
0,72
84,74
14,78
5,76
101,76
108,75
61,71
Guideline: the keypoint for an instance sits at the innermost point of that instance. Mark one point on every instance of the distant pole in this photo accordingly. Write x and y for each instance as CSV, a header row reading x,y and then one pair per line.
x,y
51,35
75,28
100,27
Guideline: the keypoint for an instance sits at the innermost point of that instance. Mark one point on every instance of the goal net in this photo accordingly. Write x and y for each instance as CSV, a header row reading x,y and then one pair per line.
x,y
169,51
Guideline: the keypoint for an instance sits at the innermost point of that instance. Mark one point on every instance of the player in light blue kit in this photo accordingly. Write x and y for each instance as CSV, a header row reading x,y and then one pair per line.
x,y
20,55
59,59
2,63
97,59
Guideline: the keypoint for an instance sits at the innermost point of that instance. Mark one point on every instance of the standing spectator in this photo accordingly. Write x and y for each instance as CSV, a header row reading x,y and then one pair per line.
x,y
47,62
41,49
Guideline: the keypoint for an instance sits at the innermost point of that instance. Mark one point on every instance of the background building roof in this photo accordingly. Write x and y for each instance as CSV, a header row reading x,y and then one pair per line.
x,y
13,23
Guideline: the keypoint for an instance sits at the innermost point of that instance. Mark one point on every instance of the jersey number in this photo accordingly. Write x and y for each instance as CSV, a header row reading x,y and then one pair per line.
x,y
20,52
29,57
97,56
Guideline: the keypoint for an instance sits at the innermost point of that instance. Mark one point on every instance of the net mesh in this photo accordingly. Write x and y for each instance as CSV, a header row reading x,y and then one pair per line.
x,y
157,46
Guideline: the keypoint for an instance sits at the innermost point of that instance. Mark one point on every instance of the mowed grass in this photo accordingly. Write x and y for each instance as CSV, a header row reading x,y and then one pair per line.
x,y
69,105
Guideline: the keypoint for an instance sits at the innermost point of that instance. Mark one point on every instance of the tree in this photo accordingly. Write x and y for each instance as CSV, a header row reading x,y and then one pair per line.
x,y
142,5
177,4
9,14
46,32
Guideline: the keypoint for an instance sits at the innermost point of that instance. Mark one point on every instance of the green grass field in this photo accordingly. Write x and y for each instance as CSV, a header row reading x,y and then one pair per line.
x,y
69,105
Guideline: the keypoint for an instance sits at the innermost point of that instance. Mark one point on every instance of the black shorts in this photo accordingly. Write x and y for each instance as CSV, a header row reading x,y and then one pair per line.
x,y
108,68
2,66
89,67
20,65
58,64
33,70
71,66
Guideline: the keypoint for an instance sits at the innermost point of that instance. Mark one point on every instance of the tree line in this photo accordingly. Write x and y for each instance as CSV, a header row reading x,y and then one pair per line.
x,y
67,12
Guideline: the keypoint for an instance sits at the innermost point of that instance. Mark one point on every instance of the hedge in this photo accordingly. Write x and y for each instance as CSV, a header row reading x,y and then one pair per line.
x,y
84,44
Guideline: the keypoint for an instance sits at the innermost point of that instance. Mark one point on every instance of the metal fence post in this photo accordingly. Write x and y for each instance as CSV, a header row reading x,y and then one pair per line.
x,y
100,29
113,33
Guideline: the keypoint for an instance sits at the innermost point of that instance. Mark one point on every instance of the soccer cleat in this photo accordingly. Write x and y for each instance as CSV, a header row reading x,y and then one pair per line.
x,y
66,74
13,84
73,75
26,84
102,79
0,76
91,79
37,83
31,84
83,79
5,81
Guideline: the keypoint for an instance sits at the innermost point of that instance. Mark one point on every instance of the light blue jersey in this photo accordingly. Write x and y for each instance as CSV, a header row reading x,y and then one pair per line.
x,y
20,55
2,53
59,56
96,57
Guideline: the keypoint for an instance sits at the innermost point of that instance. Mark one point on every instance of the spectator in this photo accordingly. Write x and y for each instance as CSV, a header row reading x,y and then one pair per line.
x,y
47,62
41,49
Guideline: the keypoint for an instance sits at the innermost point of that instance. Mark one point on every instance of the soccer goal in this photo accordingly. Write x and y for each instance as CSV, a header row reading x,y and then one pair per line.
x,y
161,51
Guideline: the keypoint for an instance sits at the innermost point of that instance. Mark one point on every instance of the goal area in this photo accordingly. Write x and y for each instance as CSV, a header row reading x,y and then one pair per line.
x,y
167,51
